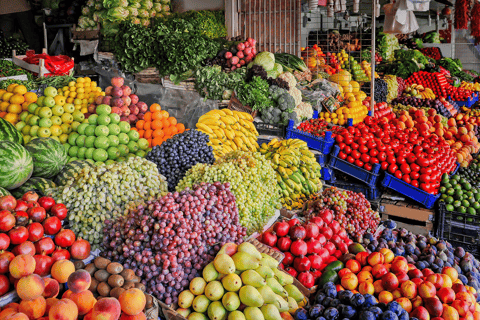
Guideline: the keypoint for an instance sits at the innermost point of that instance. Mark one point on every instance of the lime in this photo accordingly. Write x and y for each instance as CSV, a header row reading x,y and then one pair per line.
x,y
72,138
101,131
72,152
448,185
141,153
89,153
80,141
123,150
124,126
449,199
462,209
132,146
66,146
476,205
102,143
81,153
100,155
467,186
81,128
123,138
115,118
92,119
457,203
465,203
114,129
133,135
471,211
113,153
442,190
90,130
103,119
113,141
90,141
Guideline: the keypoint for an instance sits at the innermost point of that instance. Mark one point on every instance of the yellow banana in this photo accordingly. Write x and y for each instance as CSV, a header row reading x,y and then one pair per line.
x,y
229,133
204,127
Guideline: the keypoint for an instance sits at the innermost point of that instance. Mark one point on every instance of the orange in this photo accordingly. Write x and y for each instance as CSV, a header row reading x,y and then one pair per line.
x,y
157,115
30,97
4,105
141,133
165,114
2,114
148,134
11,86
17,98
140,124
155,107
180,127
2,91
149,143
133,128
174,130
14,108
172,121
25,105
6,96
147,126
20,89
166,123
11,117
158,133
157,141
157,124
147,116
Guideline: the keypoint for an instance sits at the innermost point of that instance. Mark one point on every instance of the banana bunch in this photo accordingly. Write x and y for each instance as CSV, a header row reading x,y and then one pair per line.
x,y
470,86
298,172
229,131
419,91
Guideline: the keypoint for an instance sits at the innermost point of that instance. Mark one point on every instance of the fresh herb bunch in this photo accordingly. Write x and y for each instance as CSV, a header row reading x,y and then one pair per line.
x,y
213,83
210,23
255,94
9,69
134,47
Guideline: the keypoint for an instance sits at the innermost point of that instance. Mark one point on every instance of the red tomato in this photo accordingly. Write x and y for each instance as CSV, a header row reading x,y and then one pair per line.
x,y
368,166
392,168
407,179
359,163
373,153
342,155
350,159
398,174
365,157
384,165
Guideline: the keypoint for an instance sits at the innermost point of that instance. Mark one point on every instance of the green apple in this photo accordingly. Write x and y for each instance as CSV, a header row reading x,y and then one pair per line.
x,y
100,155
123,150
33,120
133,135
123,138
93,119
81,128
78,115
131,155
63,138
26,130
142,144
72,138
24,115
44,132
45,123
58,110
113,140
56,130
90,141
56,120
101,131
141,153
103,109
40,101
75,125
114,129
101,142
27,119
132,146
104,119
66,128
34,130
27,139
45,112
124,126
37,111
67,118
114,117
90,130
72,152
80,141
81,153
50,92
89,153
69,107
20,125
113,153
67,148
48,102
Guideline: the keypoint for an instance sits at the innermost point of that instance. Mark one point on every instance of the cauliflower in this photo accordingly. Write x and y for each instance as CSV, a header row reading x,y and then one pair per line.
x,y
296,94
304,111
289,78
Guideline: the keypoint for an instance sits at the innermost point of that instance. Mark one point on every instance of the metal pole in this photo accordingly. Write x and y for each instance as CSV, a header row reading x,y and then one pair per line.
x,y
372,86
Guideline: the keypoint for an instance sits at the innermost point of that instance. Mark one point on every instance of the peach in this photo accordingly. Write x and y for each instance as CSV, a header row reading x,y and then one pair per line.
x,y
52,288
375,258
464,296
396,294
362,258
461,306
339,288
417,302
469,316
141,316
390,281
64,309
427,290
446,295
377,286
409,289
79,281
22,266
388,254
366,287
12,305
402,277
50,302
354,266
417,281
106,309
84,301
405,303
379,271
17,316
349,281
450,313
476,315
385,297
434,306
133,300
6,312
399,266
364,276
62,269
342,273
34,309
420,313
415,273
367,268
30,287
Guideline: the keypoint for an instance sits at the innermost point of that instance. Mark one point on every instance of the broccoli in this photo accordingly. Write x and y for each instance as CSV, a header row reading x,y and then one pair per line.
x,y
276,92
286,102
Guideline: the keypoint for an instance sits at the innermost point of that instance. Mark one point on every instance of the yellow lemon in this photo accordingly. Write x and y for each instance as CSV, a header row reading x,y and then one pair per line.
x,y
11,86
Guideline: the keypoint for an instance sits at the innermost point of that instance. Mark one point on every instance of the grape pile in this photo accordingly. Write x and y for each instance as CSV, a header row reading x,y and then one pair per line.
x,y
167,242
381,90
178,154
104,192
352,210
253,182
392,87
401,85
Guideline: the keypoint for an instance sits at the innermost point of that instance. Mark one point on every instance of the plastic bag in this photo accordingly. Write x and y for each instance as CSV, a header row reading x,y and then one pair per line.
x,y
399,19
58,65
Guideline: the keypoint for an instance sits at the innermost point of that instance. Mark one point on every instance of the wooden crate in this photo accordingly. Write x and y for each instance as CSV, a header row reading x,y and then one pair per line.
x,y
408,215
149,75
39,69
188,84
85,35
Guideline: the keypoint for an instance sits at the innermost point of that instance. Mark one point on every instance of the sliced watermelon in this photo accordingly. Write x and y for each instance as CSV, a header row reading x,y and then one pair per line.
x,y
8,132
49,157
16,165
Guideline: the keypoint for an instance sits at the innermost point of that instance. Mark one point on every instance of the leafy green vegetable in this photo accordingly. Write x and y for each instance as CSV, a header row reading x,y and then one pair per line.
x,y
134,47
254,94
386,45
411,55
209,23
213,83
290,62
265,59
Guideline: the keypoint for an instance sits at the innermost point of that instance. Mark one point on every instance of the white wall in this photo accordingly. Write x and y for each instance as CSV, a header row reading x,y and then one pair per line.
x,y
185,5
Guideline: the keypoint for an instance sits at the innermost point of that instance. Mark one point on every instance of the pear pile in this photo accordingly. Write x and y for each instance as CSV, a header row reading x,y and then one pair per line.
x,y
240,284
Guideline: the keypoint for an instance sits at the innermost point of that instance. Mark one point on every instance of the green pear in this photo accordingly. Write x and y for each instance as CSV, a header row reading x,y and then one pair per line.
x,y
281,304
267,294
200,304
294,292
253,313
232,282
276,287
214,290
185,299
270,312
292,305
250,249
216,311
282,277
250,297
245,261
265,272
221,276
183,312
197,286
209,272
224,264
231,301
268,261
251,277
236,315
197,316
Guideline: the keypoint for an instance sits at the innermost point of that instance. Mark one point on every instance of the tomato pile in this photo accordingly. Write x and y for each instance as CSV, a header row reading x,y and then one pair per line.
x,y
382,109
439,85
318,127
418,158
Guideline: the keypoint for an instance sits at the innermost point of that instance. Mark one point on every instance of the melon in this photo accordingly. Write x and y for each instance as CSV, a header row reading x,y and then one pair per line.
x,y
8,132
4,192
355,85
34,184
16,165
69,170
342,75
49,157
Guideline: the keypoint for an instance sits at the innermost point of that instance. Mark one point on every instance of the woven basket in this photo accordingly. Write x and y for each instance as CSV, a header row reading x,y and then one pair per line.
x,y
236,105
149,75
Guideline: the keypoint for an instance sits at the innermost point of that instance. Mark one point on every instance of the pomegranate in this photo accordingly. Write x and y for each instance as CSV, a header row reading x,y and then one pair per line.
x,y
8,203
330,247
7,220
5,258
326,215
324,254
61,254
281,228
307,279
312,230
37,214
30,196
35,231
298,248
291,271
46,203
327,232
288,259
45,245
318,221
59,210
18,235
21,206
284,244
4,284
298,232
21,218
316,274
316,261
335,226
52,225
43,264
293,222
313,246
4,241
321,238
269,238
80,249
302,263
26,247
65,238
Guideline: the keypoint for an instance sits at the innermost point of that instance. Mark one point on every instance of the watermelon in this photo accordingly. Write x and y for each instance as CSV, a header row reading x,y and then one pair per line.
x,y
8,132
69,170
16,165
49,157
34,184
4,192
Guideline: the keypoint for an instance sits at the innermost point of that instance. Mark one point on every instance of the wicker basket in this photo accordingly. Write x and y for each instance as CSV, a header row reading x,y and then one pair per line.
x,y
188,84
236,105
86,35
149,75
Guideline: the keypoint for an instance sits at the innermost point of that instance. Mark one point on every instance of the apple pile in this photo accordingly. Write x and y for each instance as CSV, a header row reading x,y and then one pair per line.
x,y
33,226
308,247
123,102
241,54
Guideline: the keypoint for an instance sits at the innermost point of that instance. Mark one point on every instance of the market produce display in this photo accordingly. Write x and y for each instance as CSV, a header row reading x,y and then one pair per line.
x,y
14,100
82,92
459,194
297,172
252,180
99,193
439,85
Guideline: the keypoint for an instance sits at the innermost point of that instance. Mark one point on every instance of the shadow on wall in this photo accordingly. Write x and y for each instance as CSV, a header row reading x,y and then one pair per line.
x,y
185,5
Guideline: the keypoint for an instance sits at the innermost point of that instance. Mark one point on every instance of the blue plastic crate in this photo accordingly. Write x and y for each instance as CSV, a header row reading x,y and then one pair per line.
x,y
328,175
470,101
371,193
425,198
322,159
456,169
368,177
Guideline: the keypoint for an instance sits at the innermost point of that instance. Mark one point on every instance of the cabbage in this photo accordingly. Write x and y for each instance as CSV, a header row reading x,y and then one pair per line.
x,y
142,13
117,14
145,22
152,13
266,60
97,16
110,28
276,71
83,22
115,3
133,11
148,4
85,11
157,7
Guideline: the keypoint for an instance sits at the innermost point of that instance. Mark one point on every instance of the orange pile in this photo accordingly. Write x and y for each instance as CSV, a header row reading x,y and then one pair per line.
x,y
157,126
14,100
